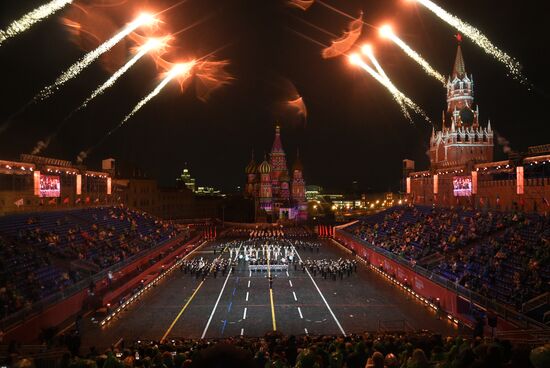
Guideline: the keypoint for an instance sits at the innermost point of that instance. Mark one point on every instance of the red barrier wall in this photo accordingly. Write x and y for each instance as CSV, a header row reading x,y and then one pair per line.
x,y
114,295
420,284
28,331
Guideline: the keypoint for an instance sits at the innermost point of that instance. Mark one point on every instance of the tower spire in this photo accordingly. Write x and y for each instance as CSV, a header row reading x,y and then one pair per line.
x,y
277,145
459,69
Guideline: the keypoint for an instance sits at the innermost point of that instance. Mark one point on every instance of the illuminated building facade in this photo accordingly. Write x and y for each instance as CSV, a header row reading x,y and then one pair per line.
x,y
462,171
185,180
463,141
277,195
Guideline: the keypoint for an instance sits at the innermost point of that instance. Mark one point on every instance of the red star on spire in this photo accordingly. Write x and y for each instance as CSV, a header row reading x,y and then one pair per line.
x,y
458,37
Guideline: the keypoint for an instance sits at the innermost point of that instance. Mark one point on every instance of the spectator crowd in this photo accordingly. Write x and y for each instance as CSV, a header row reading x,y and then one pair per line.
x,y
274,350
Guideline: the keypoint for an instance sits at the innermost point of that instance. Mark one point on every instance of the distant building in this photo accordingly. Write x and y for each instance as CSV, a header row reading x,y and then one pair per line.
x,y
185,180
276,194
462,140
313,192
36,183
462,171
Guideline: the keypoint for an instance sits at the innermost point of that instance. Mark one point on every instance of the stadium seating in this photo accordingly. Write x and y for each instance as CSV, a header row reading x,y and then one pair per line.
x,y
512,266
504,256
418,231
37,250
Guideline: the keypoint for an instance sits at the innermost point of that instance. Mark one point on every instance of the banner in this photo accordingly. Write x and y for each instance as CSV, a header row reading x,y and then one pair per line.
x,y
519,180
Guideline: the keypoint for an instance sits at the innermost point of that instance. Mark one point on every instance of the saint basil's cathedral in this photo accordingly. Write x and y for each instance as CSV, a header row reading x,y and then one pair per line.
x,y
276,195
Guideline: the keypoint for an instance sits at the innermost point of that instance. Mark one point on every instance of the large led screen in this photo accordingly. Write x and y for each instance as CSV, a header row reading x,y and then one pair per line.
x,y
50,186
462,186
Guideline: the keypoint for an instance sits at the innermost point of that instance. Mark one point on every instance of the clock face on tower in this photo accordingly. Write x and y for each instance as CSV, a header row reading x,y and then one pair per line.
x,y
467,116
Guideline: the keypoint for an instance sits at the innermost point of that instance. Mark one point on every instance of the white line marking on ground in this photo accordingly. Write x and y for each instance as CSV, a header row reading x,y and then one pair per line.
x,y
248,283
242,331
322,297
247,296
287,275
218,300
295,299
250,273
244,313
290,282
305,329
300,311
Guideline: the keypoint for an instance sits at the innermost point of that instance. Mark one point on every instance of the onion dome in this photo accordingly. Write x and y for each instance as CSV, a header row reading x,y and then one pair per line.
x,y
251,168
264,168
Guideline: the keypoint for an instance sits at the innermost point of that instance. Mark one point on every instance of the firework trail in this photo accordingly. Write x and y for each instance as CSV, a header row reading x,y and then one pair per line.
x,y
90,57
355,59
387,32
179,70
478,38
367,50
28,20
152,44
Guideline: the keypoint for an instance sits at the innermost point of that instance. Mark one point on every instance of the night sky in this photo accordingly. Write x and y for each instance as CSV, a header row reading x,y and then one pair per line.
x,y
354,130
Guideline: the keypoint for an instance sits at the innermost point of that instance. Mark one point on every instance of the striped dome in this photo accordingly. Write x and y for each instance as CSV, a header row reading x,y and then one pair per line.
x,y
251,168
264,168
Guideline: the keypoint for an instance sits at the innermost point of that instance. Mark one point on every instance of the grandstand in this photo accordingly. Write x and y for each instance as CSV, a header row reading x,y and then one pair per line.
x,y
145,292
48,256
502,256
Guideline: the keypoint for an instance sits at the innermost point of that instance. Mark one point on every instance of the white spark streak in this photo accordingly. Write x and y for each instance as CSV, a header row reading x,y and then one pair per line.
x,y
90,57
478,38
178,71
367,50
111,81
28,20
397,94
416,57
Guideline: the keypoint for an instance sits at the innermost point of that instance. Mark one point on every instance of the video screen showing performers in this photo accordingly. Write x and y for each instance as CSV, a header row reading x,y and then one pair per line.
x,y
50,186
462,186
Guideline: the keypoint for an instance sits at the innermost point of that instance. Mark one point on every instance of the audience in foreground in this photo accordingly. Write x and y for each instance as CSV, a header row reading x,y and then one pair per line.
x,y
382,350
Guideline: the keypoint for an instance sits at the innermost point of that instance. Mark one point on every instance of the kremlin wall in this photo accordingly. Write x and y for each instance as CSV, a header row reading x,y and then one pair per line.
x,y
462,171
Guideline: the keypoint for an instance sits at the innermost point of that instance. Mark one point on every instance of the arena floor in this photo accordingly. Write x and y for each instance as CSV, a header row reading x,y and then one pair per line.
x,y
240,304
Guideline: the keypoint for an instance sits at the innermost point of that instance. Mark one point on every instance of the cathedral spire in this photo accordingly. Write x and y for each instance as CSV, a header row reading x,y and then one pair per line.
x,y
277,145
